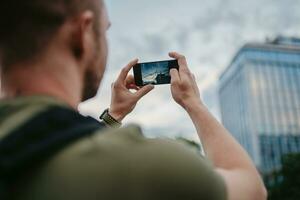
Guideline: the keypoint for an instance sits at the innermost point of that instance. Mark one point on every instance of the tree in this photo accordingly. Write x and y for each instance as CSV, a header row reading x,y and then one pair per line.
x,y
289,186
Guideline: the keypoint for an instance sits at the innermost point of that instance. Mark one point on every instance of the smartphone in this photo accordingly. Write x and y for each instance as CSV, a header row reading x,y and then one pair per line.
x,y
155,73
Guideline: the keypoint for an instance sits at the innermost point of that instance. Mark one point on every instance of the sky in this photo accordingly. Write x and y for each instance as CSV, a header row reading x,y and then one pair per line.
x,y
208,32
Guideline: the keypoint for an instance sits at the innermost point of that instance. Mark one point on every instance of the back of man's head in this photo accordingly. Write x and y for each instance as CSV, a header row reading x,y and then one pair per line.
x,y
27,26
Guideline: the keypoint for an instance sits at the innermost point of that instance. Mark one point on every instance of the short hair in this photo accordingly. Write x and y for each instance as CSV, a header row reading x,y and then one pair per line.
x,y
27,26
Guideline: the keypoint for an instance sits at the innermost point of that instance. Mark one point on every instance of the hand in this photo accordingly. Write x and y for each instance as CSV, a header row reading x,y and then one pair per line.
x,y
183,84
124,101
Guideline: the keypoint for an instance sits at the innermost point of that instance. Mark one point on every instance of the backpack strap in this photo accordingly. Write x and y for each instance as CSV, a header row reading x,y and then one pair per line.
x,y
41,138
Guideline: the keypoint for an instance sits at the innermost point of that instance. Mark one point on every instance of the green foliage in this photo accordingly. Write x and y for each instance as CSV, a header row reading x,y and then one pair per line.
x,y
287,184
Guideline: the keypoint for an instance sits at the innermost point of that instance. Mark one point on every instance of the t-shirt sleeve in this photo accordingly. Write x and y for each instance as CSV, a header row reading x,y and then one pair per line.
x,y
123,164
174,171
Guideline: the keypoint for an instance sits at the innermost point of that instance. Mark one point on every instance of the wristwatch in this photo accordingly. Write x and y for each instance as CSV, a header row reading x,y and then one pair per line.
x,y
109,120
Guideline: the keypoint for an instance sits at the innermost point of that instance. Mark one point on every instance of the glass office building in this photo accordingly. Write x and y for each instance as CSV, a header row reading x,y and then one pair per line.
x,y
260,100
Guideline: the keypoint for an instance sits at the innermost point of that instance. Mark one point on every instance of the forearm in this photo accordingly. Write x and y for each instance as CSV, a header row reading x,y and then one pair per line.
x,y
230,160
227,155
224,151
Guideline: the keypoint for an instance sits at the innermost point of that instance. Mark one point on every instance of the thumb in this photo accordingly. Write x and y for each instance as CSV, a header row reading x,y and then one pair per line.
x,y
144,90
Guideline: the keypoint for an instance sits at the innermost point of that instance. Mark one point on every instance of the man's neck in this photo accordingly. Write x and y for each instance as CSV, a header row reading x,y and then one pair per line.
x,y
60,82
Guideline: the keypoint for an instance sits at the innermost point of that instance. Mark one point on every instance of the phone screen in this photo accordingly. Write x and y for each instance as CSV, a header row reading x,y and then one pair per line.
x,y
155,73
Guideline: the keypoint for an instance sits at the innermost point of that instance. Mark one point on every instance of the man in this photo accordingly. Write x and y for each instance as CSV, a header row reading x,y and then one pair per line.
x,y
53,56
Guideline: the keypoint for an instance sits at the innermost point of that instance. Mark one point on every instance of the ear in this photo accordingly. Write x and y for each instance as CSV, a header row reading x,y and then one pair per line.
x,y
83,34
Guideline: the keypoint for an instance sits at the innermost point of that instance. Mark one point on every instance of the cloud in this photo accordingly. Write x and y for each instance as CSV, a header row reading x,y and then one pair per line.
x,y
208,32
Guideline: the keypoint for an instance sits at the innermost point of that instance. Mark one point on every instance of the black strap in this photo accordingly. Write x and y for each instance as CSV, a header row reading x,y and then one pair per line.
x,y
40,138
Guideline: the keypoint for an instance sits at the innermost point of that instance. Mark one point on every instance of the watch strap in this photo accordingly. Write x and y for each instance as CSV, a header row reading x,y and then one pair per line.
x,y
109,120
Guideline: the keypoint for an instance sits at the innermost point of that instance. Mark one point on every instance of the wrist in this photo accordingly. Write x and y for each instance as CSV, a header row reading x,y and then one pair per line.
x,y
195,108
109,120
117,116
193,105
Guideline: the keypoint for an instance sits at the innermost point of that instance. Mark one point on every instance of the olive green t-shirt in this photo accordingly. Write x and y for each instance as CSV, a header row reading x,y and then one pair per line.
x,y
112,164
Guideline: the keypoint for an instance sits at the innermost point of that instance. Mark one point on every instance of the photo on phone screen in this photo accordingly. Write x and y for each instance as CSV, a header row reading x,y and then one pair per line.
x,y
155,73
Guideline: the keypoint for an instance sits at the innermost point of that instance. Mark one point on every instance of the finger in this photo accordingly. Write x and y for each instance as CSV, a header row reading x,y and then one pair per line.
x,y
184,71
126,70
174,76
181,58
144,90
129,80
130,83
132,87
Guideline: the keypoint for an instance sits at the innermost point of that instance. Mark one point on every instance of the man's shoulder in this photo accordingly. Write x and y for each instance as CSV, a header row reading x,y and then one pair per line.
x,y
103,141
128,142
